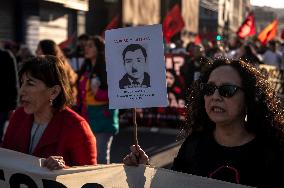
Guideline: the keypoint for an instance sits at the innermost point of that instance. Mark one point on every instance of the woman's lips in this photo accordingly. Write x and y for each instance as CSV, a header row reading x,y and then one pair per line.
x,y
24,102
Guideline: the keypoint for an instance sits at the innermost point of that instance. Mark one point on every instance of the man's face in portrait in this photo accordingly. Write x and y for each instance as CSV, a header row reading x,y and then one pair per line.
x,y
135,63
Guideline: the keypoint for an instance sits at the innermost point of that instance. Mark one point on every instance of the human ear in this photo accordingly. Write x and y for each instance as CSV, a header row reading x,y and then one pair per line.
x,y
55,91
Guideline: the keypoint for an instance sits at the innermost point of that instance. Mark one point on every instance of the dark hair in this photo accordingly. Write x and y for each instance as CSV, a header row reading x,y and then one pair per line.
x,y
83,37
49,47
265,115
50,70
132,48
100,66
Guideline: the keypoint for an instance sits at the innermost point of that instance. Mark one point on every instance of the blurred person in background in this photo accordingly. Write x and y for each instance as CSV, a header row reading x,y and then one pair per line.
x,y
24,53
49,47
234,43
93,98
9,83
12,47
193,65
77,57
248,54
272,56
174,89
44,125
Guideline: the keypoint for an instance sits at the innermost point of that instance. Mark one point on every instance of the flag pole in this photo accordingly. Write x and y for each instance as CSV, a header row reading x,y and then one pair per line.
x,y
135,128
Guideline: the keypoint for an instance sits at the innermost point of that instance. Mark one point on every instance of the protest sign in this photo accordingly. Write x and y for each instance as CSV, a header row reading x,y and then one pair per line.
x,y
136,67
21,170
178,77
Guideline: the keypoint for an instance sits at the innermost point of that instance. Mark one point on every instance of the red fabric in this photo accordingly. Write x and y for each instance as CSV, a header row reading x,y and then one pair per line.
x,y
282,34
173,23
248,27
67,135
101,95
113,24
269,32
82,93
67,42
197,40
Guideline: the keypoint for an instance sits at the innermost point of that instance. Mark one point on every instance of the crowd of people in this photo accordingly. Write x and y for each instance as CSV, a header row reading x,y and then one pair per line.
x,y
57,108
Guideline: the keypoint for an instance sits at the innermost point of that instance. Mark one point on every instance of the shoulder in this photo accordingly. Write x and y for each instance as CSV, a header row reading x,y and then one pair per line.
x,y
70,115
72,125
69,119
188,153
6,54
272,150
197,137
146,75
125,77
194,143
124,81
19,113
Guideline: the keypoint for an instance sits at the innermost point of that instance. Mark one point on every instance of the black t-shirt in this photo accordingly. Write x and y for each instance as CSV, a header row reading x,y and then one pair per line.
x,y
255,163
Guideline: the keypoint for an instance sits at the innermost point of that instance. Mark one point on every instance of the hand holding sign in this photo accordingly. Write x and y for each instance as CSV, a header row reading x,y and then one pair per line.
x,y
136,157
54,163
136,69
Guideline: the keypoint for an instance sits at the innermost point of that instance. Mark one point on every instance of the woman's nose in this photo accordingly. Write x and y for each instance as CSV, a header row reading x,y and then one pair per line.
x,y
216,94
22,89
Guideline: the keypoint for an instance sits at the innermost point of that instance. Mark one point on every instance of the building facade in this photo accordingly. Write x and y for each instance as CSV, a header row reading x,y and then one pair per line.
x,y
28,21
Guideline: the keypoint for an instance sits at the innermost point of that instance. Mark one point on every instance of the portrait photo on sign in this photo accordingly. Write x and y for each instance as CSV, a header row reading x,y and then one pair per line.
x,y
135,67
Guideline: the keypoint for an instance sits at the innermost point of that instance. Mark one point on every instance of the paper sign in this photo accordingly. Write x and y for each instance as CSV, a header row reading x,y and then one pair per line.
x,y
136,67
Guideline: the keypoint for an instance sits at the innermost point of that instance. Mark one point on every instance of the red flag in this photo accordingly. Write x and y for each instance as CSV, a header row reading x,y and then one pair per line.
x,y
67,42
269,32
248,27
113,24
197,40
282,34
173,23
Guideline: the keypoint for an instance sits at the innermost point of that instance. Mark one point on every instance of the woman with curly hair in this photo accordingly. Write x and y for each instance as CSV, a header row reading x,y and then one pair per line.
x,y
234,130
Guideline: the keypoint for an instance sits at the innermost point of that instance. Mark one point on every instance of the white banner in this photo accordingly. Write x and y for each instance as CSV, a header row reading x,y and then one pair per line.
x,y
19,170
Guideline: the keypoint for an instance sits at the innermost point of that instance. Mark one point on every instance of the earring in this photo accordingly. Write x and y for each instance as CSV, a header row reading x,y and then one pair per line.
x,y
246,117
50,102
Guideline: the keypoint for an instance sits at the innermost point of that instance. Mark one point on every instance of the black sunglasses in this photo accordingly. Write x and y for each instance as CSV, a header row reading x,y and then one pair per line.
x,y
226,90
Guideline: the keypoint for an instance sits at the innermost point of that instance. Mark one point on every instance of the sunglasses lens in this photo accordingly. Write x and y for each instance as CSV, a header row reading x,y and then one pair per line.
x,y
227,90
207,89
224,90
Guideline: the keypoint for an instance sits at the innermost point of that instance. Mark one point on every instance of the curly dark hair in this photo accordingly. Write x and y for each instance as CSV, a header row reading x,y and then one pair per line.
x,y
265,115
